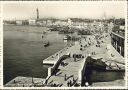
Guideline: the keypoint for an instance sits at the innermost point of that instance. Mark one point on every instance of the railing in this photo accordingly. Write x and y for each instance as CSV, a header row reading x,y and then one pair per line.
x,y
118,35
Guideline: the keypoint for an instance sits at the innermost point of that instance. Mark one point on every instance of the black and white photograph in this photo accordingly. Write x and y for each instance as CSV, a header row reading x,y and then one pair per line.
x,y
64,44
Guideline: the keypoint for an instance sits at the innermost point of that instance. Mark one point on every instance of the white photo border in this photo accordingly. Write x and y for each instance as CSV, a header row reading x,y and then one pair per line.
x,y
57,3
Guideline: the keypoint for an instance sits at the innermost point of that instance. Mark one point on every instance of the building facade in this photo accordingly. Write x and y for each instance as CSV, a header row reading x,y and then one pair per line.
x,y
118,40
32,22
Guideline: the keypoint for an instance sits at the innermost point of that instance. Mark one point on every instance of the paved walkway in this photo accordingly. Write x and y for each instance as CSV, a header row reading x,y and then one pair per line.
x,y
21,81
53,59
87,46
72,68
119,82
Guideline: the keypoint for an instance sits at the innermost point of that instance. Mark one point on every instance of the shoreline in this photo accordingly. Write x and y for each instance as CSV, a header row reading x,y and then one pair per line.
x,y
37,44
40,29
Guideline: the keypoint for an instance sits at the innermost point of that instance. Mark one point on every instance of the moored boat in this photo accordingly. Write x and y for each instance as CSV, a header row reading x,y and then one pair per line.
x,y
46,44
67,37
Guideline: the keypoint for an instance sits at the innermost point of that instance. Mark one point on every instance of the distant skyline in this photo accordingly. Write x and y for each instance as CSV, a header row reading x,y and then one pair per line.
x,y
90,9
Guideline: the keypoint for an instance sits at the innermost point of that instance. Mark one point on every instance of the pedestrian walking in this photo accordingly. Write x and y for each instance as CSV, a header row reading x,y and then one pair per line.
x,y
46,81
65,77
73,79
68,83
23,85
14,81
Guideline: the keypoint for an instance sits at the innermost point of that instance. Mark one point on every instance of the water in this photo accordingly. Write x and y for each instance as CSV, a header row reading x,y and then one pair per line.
x,y
24,51
105,76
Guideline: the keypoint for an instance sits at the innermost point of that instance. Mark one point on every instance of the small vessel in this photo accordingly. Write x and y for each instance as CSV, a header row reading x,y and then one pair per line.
x,y
67,37
46,44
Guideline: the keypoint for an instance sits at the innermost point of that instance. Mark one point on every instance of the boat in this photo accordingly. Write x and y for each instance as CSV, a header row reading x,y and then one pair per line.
x,y
67,37
46,44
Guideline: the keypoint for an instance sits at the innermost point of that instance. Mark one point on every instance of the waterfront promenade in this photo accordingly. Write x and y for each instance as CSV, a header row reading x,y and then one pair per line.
x,y
51,60
21,81
69,70
105,52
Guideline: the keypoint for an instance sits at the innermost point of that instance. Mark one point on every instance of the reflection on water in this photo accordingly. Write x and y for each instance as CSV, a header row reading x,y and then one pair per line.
x,y
24,51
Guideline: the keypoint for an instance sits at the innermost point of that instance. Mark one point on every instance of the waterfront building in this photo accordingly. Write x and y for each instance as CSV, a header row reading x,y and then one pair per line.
x,y
22,22
32,22
49,22
9,22
78,23
69,22
118,39
25,22
18,22
110,26
57,22
41,22
60,23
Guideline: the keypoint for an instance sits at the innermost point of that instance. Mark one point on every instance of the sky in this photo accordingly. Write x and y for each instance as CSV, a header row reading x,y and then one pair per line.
x,y
90,9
